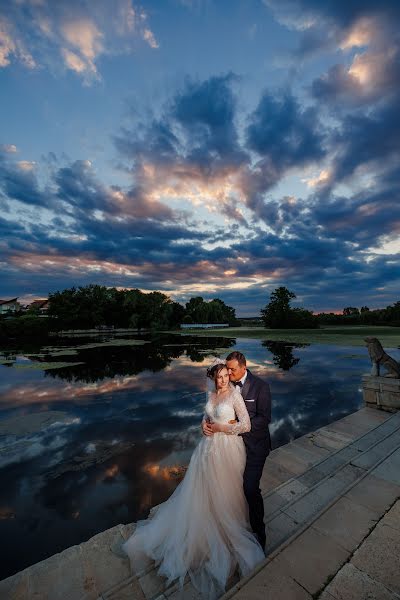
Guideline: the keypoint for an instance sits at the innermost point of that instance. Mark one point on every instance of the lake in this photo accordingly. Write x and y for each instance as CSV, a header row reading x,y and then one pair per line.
x,y
105,433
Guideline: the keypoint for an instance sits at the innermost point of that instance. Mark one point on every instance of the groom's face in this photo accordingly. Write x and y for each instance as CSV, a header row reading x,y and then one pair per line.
x,y
235,370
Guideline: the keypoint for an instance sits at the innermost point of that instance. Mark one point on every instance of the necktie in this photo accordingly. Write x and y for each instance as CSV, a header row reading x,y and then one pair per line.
x,y
238,383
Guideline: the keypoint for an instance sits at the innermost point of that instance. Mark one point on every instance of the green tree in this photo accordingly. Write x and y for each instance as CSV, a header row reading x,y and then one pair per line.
x,y
392,314
350,311
94,305
24,326
197,309
82,307
278,314
277,311
214,311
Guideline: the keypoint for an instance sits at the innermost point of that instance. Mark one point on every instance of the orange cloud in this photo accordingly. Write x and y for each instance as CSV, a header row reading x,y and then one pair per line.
x,y
222,188
370,68
361,34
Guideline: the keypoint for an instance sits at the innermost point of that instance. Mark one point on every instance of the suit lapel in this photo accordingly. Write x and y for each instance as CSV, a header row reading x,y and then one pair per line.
x,y
246,387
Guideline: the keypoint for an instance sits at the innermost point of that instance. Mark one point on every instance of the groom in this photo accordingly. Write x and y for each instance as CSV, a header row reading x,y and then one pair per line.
x,y
257,397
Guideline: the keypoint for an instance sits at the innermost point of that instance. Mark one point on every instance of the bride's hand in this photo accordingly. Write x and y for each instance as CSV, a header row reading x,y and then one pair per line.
x,y
218,427
206,428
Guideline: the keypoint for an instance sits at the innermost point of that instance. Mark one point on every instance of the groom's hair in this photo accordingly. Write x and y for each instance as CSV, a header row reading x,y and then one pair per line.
x,y
237,356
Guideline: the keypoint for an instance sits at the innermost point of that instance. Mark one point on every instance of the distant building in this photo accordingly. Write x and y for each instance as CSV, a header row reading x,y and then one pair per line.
x,y
40,305
8,306
203,325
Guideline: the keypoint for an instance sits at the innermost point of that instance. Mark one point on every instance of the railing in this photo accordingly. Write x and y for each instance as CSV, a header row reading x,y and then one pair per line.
x,y
203,325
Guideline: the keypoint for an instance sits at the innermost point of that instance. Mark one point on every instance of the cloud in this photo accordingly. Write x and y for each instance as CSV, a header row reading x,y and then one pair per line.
x,y
309,242
79,33
191,151
307,14
8,148
367,140
327,26
12,46
360,34
284,136
18,180
206,112
150,39
204,211
372,75
364,217
7,45
360,96
288,135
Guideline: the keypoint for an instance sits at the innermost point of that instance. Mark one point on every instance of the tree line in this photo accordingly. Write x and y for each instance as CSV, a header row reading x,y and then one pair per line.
x,y
278,314
364,316
96,306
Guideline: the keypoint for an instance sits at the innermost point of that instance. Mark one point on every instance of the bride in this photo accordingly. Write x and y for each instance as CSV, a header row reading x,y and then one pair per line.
x,y
203,528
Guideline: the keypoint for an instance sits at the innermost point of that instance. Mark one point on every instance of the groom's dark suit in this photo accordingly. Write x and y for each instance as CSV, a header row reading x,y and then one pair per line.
x,y
257,397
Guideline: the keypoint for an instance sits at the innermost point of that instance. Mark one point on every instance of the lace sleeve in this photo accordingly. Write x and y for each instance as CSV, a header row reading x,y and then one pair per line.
x,y
241,412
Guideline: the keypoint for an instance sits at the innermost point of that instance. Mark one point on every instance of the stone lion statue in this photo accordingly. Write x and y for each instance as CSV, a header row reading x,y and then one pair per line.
x,y
380,358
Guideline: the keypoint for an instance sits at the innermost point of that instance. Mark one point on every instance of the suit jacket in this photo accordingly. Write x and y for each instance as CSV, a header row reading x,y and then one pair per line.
x,y
257,398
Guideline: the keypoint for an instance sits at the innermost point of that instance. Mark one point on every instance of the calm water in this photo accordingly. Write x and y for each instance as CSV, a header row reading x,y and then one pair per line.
x,y
102,442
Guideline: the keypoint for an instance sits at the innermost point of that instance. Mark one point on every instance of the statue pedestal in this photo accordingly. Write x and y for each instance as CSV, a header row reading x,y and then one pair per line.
x,y
381,392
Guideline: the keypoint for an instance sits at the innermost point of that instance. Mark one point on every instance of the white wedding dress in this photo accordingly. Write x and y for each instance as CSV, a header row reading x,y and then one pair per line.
x,y
203,528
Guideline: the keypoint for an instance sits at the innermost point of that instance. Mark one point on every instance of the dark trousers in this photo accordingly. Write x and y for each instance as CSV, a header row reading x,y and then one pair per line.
x,y
251,486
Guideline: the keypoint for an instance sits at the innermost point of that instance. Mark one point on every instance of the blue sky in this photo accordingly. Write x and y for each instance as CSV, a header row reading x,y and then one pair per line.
x,y
215,148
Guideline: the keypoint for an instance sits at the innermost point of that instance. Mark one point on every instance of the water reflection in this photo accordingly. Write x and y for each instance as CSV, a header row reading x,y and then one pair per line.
x,y
282,353
85,447
108,362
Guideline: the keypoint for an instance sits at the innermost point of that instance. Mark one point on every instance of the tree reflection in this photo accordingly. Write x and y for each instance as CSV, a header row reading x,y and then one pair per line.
x,y
106,362
282,353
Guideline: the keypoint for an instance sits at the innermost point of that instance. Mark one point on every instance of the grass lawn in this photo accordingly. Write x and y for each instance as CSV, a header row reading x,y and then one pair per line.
x,y
341,336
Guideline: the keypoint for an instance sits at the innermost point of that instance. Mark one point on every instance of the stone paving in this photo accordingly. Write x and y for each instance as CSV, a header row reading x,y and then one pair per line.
x,y
323,494
343,539
373,570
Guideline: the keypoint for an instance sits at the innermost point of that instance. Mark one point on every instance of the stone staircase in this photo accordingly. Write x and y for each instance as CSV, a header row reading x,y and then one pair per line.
x,y
293,505
302,482
316,534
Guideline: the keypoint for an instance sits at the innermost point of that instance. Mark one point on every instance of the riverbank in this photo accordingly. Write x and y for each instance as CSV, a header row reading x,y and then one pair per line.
x,y
341,336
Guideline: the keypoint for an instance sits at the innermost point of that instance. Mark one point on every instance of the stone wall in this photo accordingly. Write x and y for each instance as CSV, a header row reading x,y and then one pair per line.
x,y
381,392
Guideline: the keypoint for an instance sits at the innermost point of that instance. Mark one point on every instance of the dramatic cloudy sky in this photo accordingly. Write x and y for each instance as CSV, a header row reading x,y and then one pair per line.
x,y
213,147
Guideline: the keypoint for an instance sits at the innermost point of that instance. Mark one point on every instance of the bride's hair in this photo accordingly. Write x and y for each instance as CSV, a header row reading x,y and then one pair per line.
x,y
214,371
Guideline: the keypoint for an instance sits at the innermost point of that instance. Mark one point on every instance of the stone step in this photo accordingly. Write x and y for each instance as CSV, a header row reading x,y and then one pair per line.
x,y
373,570
295,503
336,538
309,449
328,465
